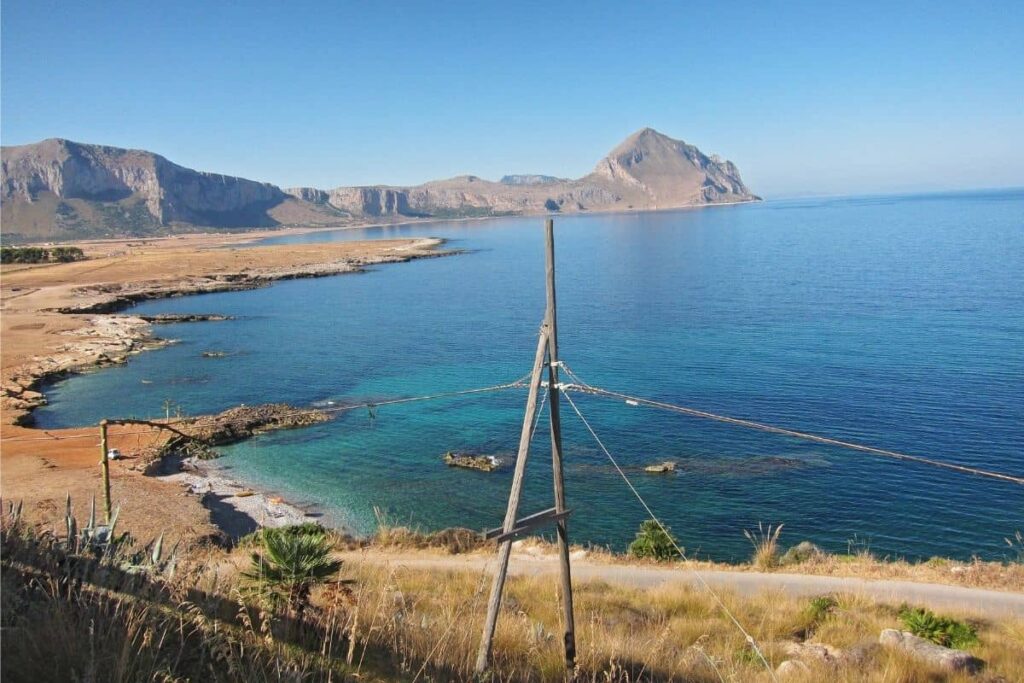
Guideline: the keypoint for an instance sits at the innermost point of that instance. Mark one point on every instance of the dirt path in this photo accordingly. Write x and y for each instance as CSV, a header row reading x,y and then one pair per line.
x,y
975,601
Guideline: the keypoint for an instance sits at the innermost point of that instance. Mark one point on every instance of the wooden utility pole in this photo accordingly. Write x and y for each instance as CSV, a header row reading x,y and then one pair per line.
x,y
105,462
569,636
512,528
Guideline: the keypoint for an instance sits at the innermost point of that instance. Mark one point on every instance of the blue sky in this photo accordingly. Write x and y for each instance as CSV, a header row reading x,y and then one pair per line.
x,y
806,98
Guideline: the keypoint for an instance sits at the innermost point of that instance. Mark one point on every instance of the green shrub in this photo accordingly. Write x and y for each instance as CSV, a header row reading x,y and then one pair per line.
x,y
940,630
820,607
66,254
293,561
818,610
800,553
654,541
40,255
257,538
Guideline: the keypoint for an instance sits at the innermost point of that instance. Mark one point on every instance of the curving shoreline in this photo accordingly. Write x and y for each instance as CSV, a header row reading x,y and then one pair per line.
x,y
58,299
58,320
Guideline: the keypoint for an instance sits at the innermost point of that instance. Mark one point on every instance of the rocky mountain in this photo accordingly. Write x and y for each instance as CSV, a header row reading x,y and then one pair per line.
x,y
530,179
58,189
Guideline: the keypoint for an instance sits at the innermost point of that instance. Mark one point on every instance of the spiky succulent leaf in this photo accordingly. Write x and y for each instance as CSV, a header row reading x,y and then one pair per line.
x,y
158,548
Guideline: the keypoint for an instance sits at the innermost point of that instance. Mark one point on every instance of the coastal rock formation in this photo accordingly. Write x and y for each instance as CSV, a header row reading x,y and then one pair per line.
x,y
58,189
668,173
106,340
309,194
58,186
242,422
648,170
49,314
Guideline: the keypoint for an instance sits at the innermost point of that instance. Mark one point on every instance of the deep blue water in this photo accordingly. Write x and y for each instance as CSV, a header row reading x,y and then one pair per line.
x,y
896,321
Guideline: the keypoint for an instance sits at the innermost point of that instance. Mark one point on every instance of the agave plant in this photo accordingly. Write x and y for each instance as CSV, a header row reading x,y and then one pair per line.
x,y
290,566
102,541
99,539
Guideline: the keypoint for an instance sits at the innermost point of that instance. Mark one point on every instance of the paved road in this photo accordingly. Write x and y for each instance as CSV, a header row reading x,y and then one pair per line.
x,y
937,596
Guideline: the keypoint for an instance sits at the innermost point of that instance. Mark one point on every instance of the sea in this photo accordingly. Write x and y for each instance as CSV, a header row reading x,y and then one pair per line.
x,y
893,321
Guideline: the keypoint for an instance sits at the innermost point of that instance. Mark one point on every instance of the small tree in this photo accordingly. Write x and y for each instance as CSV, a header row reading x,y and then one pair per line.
x,y
290,565
654,541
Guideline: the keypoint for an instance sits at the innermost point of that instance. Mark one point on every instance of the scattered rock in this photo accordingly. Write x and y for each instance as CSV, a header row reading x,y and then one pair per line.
x,y
927,651
861,653
815,651
661,468
214,354
167,318
484,463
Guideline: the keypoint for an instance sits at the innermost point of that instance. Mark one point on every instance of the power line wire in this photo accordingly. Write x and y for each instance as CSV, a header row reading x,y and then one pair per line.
x,y
585,388
336,409
682,553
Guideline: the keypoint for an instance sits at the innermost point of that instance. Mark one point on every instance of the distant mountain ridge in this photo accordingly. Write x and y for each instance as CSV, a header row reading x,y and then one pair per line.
x,y
58,189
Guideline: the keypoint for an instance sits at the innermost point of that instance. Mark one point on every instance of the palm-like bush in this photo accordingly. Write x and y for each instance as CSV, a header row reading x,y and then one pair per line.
x,y
290,565
655,541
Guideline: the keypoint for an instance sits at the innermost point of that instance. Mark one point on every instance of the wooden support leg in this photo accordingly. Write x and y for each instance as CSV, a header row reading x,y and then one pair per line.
x,y
483,658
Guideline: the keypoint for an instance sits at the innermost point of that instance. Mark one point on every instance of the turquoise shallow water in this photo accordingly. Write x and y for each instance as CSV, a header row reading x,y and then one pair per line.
x,y
897,321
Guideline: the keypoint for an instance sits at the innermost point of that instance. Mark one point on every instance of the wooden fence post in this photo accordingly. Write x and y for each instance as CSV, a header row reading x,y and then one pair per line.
x,y
105,462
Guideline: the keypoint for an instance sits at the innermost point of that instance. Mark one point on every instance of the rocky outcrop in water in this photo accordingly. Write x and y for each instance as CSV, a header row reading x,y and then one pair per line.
x,y
237,424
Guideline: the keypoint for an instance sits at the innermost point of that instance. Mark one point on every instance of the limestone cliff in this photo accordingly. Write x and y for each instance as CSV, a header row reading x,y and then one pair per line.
x,y
68,187
648,170
58,189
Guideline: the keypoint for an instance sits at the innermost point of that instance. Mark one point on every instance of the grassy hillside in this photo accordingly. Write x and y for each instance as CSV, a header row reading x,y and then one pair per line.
x,y
282,607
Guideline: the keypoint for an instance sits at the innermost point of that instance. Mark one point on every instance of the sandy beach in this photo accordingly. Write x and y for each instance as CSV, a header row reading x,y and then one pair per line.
x,y
63,318
234,508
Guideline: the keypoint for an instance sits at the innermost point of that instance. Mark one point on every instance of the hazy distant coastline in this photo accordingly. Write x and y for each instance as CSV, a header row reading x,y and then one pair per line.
x,y
62,190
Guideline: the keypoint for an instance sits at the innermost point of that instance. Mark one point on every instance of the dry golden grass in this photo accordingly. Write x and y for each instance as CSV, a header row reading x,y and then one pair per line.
x,y
1008,576
394,623
766,545
974,574
432,621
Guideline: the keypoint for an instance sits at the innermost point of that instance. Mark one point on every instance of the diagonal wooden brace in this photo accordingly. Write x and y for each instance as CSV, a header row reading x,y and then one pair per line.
x,y
526,525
